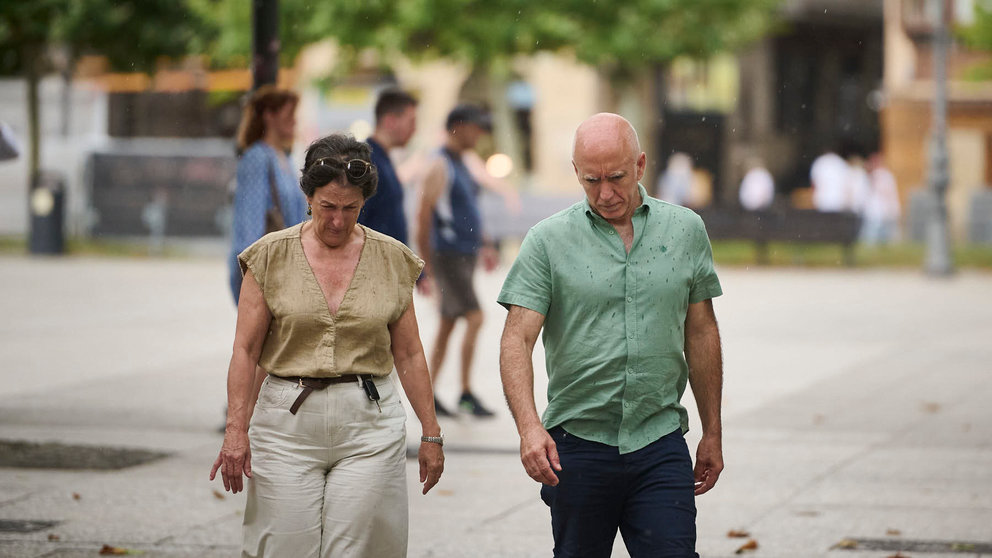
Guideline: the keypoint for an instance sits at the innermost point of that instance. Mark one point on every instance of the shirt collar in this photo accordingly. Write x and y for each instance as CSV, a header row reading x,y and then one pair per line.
x,y
374,144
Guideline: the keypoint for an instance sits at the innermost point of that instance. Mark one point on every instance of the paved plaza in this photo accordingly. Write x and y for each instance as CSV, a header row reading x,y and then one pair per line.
x,y
856,414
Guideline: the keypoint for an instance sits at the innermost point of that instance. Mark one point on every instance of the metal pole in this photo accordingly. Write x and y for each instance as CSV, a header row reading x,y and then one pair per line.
x,y
265,42
938,259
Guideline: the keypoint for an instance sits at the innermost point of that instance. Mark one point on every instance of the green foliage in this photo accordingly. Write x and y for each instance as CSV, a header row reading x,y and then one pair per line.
x,y
231,46
132,34
627,37
789,254
25,28
978,35
623,37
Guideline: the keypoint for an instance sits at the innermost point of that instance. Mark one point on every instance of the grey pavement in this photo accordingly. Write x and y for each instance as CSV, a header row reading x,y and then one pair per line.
x,y
855,408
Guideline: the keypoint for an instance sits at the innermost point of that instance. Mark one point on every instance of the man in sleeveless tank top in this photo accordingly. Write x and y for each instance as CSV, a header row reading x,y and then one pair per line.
x,y
450,238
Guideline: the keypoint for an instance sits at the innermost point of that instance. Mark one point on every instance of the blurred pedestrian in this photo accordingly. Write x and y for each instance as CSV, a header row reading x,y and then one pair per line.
x,y
858,185
395,123
10,147
829,177
757,188
267,195
449,233
675,184
621,284
327,309
880,217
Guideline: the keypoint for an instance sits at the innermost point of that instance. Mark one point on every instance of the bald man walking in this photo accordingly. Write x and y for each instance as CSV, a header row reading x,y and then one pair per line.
x,y
622,285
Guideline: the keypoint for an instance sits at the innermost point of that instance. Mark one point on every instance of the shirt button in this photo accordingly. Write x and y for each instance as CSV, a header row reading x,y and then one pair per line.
x,y
631,336
630,299
630,370
626,405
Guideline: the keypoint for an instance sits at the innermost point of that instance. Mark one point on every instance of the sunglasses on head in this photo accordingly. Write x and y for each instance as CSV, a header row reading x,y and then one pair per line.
x,y
354,168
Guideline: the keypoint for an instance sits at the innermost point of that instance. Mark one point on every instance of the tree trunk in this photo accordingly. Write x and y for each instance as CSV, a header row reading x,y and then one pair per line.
x,y
66,99
640,101
32,75
506,136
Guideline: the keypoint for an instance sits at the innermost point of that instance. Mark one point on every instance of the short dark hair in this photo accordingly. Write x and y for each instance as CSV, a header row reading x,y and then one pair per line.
x,y
393,101
325,163
469,114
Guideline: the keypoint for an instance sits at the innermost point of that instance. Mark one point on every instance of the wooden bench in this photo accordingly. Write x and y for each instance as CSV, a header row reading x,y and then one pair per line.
x,y
806,226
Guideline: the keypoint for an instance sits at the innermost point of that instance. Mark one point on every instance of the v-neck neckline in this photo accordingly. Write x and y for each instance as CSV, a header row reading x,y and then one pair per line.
x,y
351,281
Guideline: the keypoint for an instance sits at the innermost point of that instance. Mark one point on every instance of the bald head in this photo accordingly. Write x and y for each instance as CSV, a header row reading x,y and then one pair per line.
x,y
605,131
609,163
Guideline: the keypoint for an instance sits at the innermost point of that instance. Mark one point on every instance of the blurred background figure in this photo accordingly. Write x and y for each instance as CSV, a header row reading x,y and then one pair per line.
x,y
880,224
858,186
829,177
395,123
758,187
451,241
675,184
267,196
10,148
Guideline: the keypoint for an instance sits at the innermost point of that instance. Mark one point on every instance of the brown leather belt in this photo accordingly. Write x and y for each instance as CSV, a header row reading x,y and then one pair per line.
x,y
311,384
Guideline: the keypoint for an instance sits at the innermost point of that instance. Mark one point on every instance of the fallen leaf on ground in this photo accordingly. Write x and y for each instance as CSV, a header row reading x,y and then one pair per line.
x,y
898,555
76,496
962,547
846,543
116,550
893,532
54,537
931,407
218,494
749,546
735,534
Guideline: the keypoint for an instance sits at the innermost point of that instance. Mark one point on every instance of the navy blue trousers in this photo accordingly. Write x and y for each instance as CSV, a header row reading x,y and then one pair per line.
x,y
647,495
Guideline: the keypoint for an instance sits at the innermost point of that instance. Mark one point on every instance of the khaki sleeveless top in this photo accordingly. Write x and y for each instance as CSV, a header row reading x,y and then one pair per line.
x,y
304,339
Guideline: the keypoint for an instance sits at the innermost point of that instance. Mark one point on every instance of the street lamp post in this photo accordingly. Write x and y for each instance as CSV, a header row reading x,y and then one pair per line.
x,y
938,259
265,42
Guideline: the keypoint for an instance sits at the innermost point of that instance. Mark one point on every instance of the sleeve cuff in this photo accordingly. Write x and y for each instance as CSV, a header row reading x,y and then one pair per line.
x,y
530,302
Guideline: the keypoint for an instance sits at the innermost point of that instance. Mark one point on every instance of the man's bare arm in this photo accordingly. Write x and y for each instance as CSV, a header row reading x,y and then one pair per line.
x,y
432,188
538,452
704,356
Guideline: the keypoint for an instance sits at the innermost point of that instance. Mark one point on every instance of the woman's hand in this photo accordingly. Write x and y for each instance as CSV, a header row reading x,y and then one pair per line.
x,y
235,459
431,457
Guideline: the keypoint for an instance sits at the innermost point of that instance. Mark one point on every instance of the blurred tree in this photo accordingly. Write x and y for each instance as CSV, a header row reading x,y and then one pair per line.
x,y
39,36
231,46
629,42
978,35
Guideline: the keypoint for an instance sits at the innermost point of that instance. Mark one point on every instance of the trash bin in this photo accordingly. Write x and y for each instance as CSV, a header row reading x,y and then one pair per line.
x,y
47,207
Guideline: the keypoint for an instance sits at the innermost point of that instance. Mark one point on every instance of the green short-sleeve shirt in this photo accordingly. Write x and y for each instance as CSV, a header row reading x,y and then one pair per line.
x,y
614,321
304,339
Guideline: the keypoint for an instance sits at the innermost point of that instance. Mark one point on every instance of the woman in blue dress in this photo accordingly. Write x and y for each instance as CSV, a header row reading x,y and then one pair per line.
x,y
265,137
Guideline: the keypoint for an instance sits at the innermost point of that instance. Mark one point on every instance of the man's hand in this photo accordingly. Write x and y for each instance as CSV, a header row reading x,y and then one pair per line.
x,y
709,463
489,256
425,283
539,455
234,459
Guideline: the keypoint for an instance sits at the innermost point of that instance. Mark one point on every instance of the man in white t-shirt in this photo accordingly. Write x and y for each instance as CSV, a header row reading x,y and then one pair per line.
x,y
882,209
829,177
757,188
